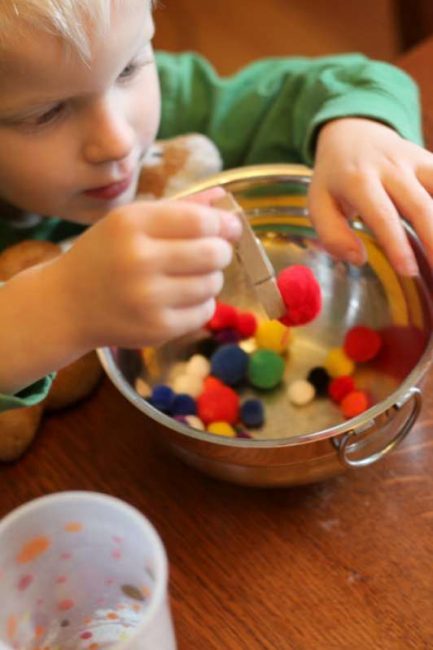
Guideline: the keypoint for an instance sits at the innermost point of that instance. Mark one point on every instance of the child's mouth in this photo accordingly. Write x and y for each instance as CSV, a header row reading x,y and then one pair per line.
x,y
111,191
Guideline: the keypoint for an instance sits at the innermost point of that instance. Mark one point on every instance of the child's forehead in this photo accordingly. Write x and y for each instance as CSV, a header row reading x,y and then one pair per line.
x,y
38,60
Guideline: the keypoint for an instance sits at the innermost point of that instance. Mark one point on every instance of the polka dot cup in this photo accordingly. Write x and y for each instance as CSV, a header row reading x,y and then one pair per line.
x,y
82,571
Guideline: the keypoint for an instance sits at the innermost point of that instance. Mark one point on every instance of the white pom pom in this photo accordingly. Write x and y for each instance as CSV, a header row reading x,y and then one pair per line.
x,y
143,388
301,392
194,422
198,366
189,384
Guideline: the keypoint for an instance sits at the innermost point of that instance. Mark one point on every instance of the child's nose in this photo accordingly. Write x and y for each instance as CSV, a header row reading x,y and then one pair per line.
x,y
109,136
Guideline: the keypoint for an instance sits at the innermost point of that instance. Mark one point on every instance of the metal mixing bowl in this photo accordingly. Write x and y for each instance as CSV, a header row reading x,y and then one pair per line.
x,y
301,445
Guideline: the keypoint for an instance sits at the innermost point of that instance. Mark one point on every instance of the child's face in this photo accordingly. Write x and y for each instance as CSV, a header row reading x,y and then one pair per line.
x,y
72,133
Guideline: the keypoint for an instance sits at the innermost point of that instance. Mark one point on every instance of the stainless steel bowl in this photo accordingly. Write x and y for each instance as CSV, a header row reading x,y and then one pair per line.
x,y
302,445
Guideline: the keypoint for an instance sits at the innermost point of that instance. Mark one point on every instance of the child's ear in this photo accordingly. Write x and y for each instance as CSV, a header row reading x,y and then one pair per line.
x,y
171,165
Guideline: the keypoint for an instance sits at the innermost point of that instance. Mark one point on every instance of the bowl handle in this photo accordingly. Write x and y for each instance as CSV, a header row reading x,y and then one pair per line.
x,y
345,449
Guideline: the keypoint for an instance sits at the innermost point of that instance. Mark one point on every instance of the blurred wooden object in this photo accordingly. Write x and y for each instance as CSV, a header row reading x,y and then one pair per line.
x,y
415,20
231,34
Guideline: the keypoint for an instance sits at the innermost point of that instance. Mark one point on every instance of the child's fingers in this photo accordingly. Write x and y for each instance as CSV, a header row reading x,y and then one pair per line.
x,y
190,291
378,212
185,220
207,197
187,319
416,205
192,257
333,229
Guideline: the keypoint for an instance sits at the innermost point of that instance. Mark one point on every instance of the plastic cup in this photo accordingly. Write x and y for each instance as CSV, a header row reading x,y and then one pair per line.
x,y
82,571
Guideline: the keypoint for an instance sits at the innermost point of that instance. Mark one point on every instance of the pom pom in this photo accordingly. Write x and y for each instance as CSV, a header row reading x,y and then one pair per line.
x,y
189,384
301,295
183,404
229,363
162,398
252,413
191,421
222,429
242,433
337,363
320,379
246,324
194,422
354,403
143,388
198,366
265,369
206,347
227,336
362,343
218,405
225,316
301,392
273,335
212,382
340,387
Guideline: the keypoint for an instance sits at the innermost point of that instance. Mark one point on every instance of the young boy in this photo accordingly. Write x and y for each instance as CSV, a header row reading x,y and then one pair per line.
x,y
79,107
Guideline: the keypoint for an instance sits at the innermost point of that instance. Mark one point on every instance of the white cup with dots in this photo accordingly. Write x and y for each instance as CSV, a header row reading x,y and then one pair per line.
x,y
82,571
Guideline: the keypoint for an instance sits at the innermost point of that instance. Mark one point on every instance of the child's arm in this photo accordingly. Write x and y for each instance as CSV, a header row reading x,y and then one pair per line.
x,y
272,110
144,274
280,109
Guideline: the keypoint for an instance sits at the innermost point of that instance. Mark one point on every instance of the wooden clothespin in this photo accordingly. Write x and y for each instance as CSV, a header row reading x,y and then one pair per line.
x,y
255,262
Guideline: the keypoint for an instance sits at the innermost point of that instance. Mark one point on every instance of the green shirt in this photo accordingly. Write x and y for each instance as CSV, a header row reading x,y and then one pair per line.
x,y
269,111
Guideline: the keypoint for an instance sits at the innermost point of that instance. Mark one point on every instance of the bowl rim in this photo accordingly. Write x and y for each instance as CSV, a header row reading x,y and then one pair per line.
x,y
295,173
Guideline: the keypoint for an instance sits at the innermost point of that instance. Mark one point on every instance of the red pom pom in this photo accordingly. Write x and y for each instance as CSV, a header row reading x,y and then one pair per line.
x,y
301,294
340,387
212,382
225,317
362,343
354,403
220,404
246,324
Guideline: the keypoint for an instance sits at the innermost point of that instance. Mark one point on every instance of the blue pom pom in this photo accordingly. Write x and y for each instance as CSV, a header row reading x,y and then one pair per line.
x,y
183,404
252,413
229,364
162,398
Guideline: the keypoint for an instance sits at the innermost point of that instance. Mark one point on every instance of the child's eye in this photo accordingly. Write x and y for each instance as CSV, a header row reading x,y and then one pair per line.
x,y
49,115
132,69
129,71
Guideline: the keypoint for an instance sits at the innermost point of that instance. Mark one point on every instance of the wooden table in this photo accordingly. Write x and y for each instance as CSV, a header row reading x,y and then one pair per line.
x,y
347,564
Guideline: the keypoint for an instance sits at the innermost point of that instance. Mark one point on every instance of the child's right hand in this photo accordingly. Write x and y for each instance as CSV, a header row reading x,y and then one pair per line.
x,y
147,272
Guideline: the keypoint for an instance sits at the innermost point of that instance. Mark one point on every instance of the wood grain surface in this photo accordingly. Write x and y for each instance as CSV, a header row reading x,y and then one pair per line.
x,y
346,564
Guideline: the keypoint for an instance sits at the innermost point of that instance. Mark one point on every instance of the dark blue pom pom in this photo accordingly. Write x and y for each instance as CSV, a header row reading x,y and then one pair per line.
x,y
229,364
162,398
183,405
252,413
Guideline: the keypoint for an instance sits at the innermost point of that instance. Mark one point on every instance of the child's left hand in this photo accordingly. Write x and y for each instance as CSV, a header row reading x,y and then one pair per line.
x,y
364,168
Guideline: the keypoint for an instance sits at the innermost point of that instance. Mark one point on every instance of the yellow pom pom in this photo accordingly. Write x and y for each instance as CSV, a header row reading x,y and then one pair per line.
x,y
222,429
273,335
337,363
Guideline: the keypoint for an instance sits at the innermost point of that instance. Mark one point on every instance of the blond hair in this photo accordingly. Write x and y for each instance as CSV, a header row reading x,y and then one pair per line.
x,y
72,20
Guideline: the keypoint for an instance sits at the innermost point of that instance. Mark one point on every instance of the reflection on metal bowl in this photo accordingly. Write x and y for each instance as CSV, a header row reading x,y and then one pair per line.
x,y
302,445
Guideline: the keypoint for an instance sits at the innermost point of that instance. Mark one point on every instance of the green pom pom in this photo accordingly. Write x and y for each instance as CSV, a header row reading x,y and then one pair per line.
x,y
265,369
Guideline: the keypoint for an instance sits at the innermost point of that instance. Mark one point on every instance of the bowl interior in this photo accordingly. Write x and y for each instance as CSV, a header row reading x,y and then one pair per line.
x,y
374,295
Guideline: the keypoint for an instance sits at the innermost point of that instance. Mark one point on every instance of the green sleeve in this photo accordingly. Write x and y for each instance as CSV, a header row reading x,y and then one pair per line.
x,y
271,110
29,396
